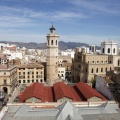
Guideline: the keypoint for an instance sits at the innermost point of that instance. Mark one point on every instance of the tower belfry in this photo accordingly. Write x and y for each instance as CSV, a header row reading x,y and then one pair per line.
x,y
52,55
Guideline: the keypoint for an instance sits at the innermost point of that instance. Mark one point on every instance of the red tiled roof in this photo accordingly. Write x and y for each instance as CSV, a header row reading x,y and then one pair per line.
x,y
62,90
80,92
76,96
88,91
48,94
34,90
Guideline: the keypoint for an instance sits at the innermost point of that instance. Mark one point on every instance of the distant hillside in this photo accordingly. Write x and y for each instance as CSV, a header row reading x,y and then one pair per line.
x,y
62,45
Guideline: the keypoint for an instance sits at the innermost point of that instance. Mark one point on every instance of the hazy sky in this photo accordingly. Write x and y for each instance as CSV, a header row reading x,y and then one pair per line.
x,y
88,21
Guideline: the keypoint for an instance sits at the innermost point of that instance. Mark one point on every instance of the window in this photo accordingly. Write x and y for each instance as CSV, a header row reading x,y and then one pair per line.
x,y
48,42
114,50
106,69
118,62
101,69
19,73
23,81
103,50
56,42
36,72
37,80
110,68
92,70
32,80
108,50
28,81
5,81
4,73
41,72
19,81
97,70
51,42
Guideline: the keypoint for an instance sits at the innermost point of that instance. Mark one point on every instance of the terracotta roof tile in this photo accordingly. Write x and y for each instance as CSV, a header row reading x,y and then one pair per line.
x,y
35,90
80,92
76,95
62,90
88,91
48,95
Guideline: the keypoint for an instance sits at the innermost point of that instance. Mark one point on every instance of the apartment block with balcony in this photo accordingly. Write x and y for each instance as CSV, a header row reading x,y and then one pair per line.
x,y
29,73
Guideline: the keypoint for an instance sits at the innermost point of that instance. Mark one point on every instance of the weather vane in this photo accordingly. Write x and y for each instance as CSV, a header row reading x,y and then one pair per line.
x,y
52,23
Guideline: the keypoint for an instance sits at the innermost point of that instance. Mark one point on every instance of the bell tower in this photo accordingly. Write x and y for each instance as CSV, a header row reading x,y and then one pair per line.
x,y
52,55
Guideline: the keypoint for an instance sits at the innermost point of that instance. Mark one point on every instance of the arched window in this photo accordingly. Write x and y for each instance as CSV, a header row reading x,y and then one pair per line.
x,y
103,50
48,42
114,50
92,70
106,69
110,69
97,70
108,50
101,69
56,42
51,42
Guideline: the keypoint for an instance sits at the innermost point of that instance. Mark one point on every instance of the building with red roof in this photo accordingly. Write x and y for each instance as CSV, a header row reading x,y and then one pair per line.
x,y
89,93
60,92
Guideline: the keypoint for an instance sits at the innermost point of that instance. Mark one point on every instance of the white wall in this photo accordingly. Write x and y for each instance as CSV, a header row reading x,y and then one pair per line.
x,y
13,55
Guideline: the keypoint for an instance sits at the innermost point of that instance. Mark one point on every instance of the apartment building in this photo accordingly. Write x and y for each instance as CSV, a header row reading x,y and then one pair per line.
x,y
29,73
8,78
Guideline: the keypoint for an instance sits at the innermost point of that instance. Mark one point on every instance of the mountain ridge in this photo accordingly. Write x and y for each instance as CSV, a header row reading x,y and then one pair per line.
x,y
62,45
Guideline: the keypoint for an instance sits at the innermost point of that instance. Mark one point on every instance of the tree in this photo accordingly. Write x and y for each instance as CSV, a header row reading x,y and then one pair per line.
x,y
115,91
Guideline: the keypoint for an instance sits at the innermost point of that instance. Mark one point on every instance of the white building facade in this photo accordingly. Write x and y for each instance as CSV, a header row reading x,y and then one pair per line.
x,y
109,47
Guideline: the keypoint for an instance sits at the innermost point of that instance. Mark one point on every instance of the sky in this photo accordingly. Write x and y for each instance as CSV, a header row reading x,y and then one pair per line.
x,y
85,21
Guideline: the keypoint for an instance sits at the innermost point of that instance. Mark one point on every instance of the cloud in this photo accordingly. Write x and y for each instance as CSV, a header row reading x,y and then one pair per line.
x,y
67,15
16,17
104,6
